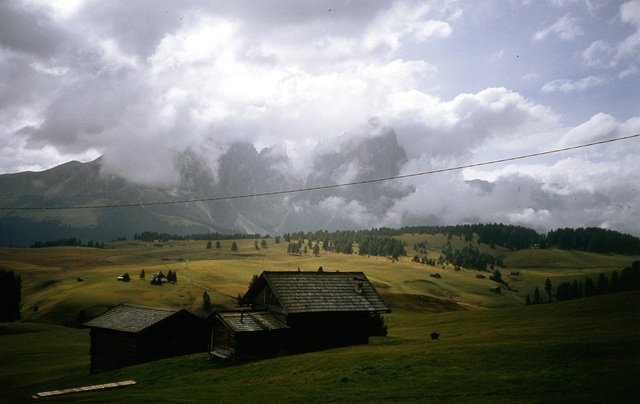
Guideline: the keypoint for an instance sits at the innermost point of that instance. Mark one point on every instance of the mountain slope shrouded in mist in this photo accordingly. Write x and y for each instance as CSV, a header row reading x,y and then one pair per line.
x,y
241,171
227,186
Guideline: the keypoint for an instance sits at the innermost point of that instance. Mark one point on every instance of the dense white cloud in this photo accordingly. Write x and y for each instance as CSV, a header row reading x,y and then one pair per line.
x,y
143,83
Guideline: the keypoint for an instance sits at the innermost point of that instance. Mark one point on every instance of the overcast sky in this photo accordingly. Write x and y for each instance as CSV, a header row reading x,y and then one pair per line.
x,y
459,81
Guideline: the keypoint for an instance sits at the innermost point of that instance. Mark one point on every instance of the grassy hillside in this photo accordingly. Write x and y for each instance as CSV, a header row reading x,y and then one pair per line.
x,y
50,274
582,350
579,351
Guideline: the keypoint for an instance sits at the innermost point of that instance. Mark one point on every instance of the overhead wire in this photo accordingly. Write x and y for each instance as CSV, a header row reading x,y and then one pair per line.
x,y
323,187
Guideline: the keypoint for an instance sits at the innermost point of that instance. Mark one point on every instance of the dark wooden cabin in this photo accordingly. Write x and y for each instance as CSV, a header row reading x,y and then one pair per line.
x,y
248,335
129,334
320,309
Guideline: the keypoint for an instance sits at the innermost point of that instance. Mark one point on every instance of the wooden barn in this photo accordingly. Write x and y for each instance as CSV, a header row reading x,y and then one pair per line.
x,y
248,335
129,334
302,311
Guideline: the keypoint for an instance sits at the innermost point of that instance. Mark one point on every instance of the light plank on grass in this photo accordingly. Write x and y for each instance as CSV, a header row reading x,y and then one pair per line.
x,y
85,388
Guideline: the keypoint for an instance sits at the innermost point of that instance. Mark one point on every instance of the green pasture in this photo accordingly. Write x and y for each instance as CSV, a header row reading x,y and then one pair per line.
x,y
579,351
50,274
585,350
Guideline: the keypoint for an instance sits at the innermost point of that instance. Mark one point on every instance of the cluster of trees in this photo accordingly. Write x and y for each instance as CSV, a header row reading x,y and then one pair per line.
x,y
151,236
468,257
494,234
381,246
10,295
343,242
424,260
67,242
593,239
628,280
297,247
338,241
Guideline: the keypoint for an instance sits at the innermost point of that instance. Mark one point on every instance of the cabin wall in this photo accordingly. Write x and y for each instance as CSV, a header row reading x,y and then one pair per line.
x,y
224,339
112,349
250,344
316,331
177,335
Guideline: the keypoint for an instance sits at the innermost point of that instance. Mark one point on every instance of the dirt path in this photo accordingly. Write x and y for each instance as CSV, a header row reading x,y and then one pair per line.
x,y
186,268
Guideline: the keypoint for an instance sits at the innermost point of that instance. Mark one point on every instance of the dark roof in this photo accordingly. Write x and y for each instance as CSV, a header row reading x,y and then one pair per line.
x,y
304,292
239,321
130,317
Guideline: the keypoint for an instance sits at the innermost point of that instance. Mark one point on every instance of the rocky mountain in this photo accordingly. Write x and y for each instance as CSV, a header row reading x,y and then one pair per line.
x,y
241,172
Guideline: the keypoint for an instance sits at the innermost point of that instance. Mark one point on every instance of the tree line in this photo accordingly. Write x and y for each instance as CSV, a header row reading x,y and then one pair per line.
x,y
67,242
151,236
591,239
468,257
628,280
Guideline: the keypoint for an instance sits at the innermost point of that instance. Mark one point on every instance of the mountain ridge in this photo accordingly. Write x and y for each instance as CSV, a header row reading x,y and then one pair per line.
x,y
242,170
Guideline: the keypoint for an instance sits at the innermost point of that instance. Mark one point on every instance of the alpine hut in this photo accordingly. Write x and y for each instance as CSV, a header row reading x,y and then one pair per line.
x,y
299,312
130,333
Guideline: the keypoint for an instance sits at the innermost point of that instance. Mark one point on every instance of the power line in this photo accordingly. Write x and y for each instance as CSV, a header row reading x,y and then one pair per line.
x,y
347,184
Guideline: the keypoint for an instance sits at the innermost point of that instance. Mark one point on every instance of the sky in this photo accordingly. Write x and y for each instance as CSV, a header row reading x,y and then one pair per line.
x,y
459,82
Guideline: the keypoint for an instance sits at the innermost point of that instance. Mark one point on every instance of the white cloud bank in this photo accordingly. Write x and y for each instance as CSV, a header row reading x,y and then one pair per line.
x,y
141,83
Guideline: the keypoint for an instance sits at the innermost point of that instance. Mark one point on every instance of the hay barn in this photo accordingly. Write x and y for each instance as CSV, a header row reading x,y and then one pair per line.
x,y
129,334
293,312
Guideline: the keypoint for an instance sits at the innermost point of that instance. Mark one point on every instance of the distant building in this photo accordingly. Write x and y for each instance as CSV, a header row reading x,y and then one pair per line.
x,y
435,275
292,312
158,277
515,272
480,276
129,334
495,289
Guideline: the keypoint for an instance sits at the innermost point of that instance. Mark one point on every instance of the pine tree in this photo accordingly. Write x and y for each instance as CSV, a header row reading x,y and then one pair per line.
x,y
234,246
536,296
209,244
206,301
142,275
548,287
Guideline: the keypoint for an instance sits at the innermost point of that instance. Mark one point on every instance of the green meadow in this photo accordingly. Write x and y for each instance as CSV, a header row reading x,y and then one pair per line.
x,y
491,346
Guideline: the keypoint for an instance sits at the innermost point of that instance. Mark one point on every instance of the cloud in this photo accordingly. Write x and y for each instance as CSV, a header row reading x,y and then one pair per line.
x,y
570,85
146,85
566,28
607,54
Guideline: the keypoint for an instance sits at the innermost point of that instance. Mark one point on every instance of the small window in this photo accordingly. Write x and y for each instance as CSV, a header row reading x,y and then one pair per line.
x,y
226,333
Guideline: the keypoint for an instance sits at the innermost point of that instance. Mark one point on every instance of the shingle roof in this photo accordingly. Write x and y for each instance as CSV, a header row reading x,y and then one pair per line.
x,y
303,292
251,321
130,317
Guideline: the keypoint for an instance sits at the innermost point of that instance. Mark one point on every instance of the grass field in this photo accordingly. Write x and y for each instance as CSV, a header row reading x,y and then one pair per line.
x,y
50,275
579,351
587,350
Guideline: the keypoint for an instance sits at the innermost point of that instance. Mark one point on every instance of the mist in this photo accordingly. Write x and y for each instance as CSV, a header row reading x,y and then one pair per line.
x,y
154,89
